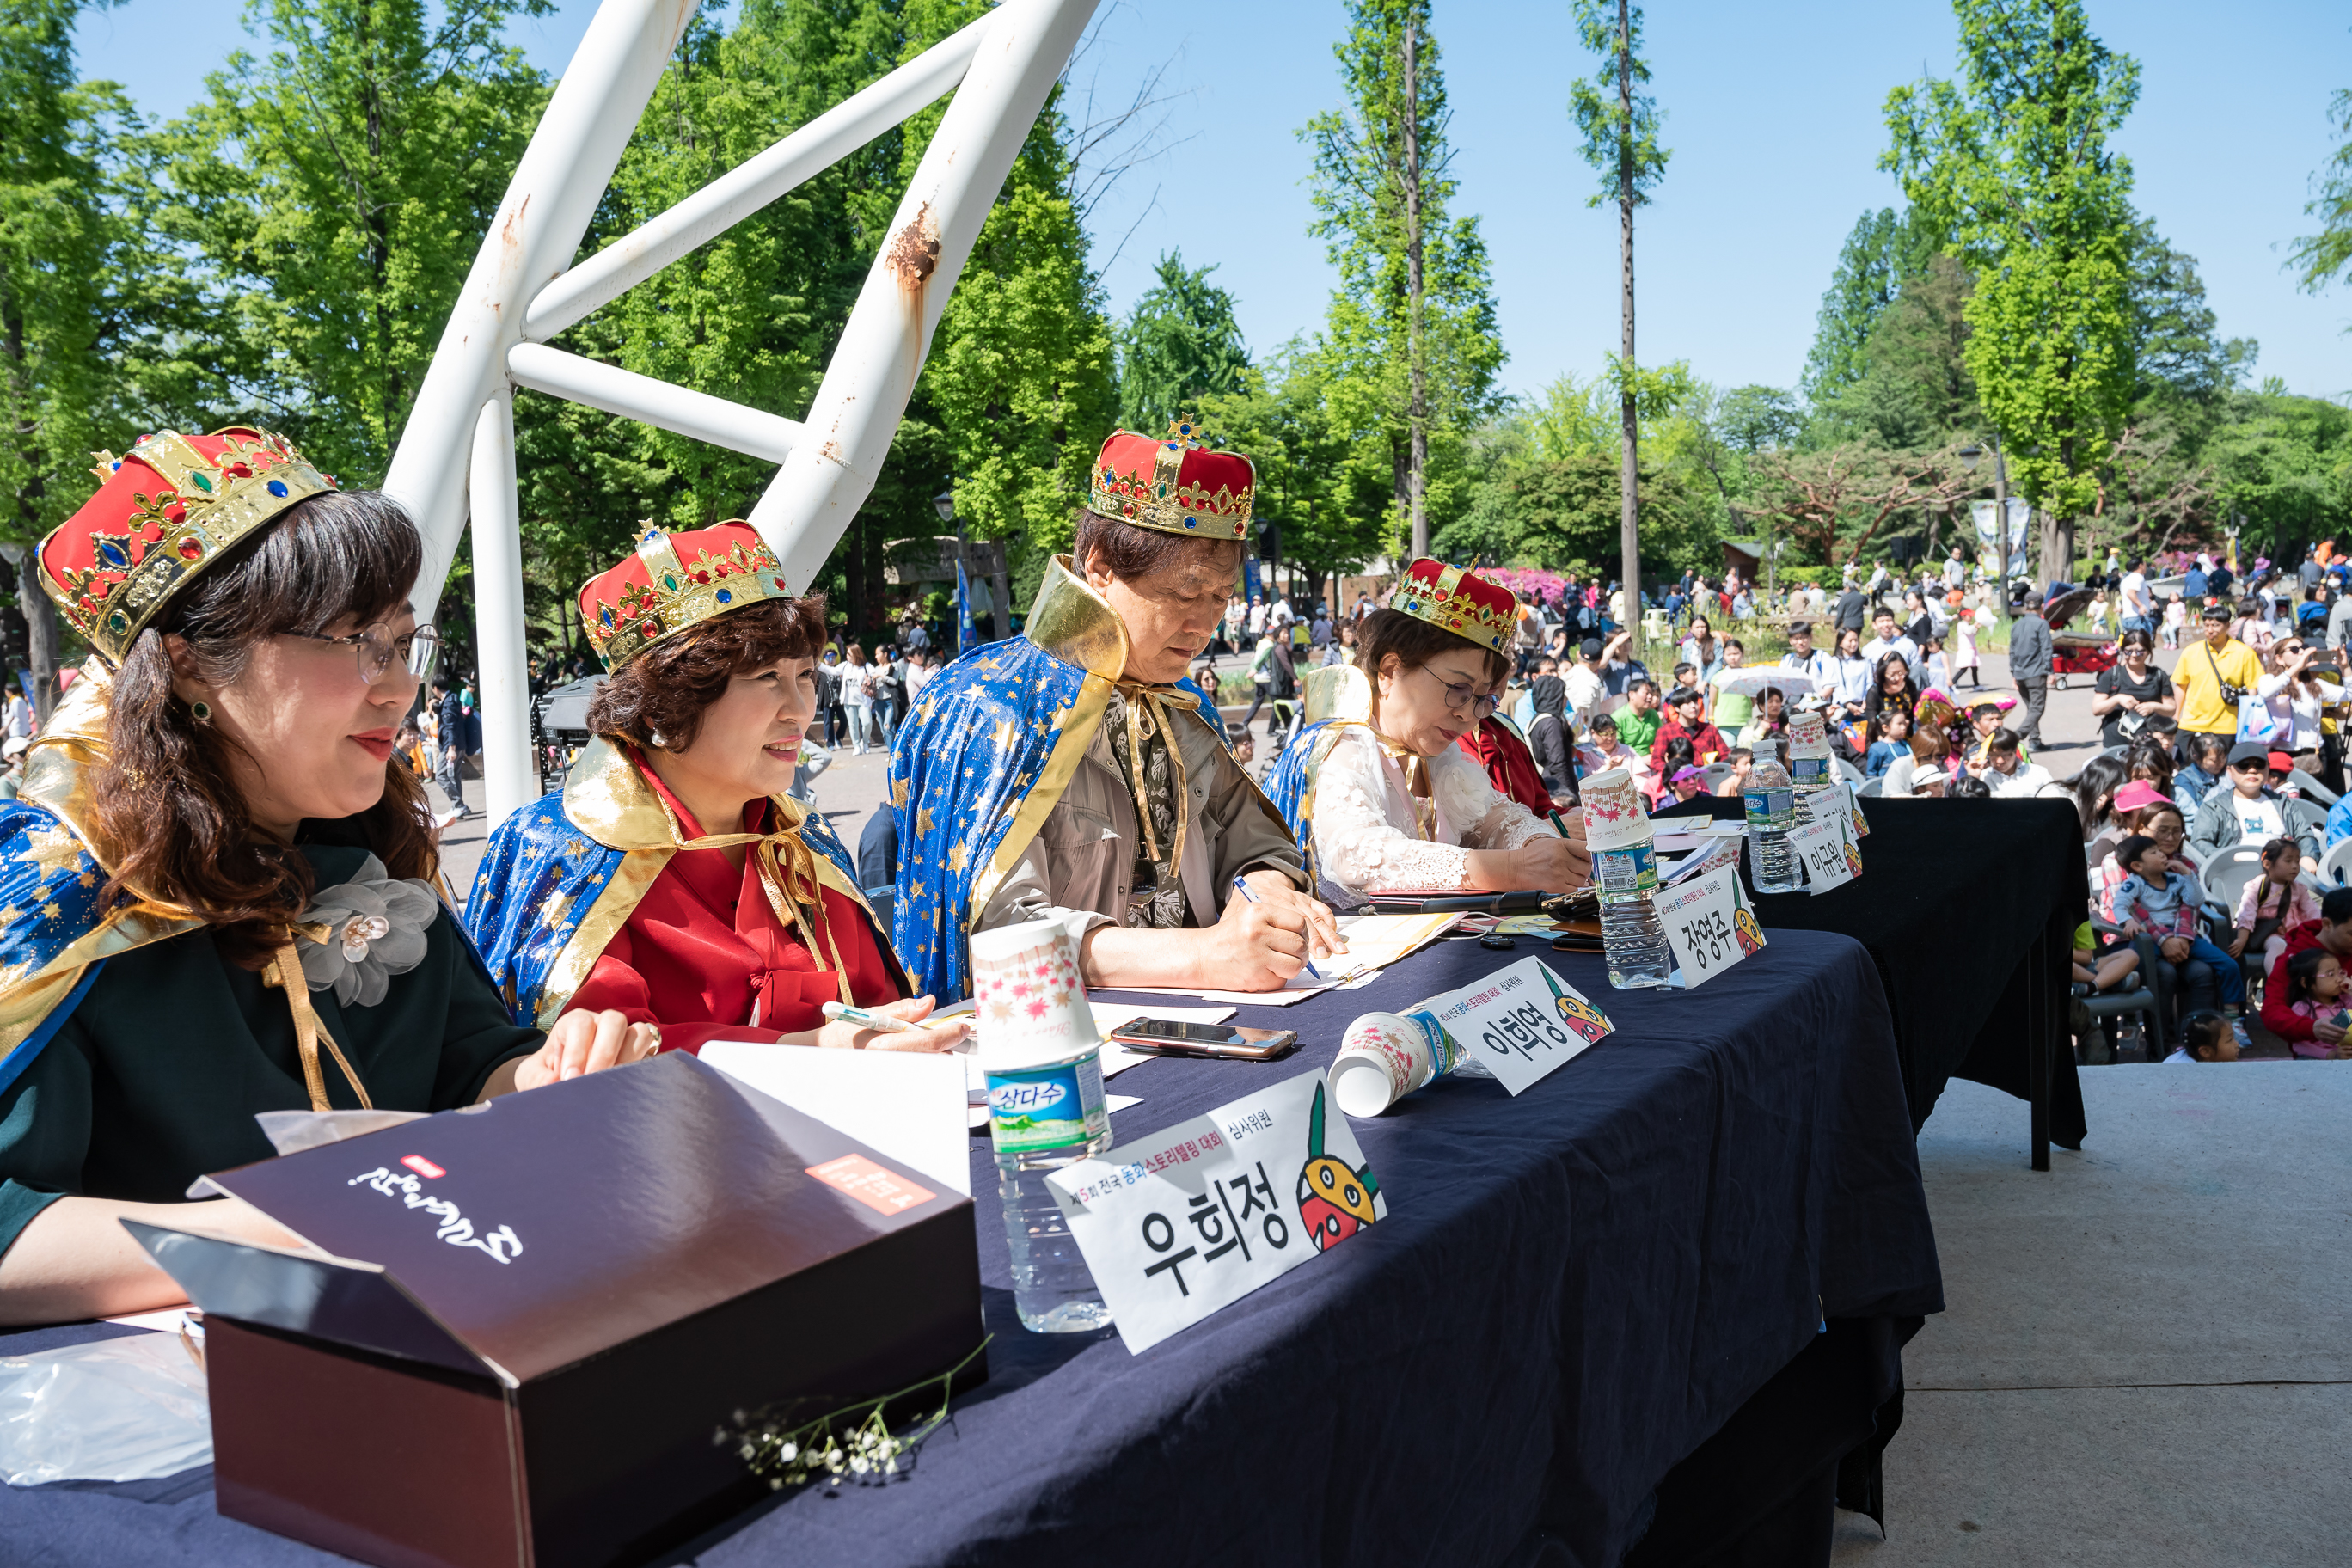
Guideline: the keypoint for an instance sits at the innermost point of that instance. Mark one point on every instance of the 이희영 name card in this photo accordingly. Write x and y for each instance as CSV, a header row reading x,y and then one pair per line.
x,y
1524,1022
1708,925
1198,1216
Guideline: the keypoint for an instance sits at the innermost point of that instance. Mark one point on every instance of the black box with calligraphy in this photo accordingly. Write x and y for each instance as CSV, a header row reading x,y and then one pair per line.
x,y
522,1326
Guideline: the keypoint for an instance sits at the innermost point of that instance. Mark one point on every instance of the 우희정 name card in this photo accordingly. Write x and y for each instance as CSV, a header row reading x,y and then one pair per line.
x,y
1194,1218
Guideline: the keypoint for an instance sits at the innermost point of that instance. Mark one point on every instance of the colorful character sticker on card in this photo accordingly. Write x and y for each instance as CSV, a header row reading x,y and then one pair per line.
x,y
1335,1199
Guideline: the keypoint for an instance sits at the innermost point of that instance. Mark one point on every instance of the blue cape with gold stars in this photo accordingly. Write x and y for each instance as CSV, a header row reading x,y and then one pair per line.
x,y
55,933
561,877
982,761
1331,697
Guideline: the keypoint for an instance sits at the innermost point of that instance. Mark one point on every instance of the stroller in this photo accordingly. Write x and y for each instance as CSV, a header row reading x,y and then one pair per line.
x,y
2074,653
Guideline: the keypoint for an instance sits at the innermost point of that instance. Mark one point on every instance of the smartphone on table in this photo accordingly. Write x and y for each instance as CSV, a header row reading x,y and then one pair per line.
x,y
1167,1037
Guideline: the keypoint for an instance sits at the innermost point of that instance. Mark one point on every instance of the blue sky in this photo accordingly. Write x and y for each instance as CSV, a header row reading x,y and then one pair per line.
x,y
1773,114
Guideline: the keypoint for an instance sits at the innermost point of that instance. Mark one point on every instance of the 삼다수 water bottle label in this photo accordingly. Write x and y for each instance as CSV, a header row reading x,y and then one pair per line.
x,y
1634,870
1445,1052
1049,1107
1767,807
1809,773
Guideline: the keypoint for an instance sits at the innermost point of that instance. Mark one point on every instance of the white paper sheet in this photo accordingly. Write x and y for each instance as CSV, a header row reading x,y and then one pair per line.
x,y
908,1104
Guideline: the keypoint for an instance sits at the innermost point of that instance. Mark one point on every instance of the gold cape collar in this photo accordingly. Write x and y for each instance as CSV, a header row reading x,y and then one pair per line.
x,y
1074,623
607,798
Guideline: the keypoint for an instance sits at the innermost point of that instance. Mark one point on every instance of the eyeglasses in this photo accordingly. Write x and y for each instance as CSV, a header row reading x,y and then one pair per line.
x,y
1459,695
376,648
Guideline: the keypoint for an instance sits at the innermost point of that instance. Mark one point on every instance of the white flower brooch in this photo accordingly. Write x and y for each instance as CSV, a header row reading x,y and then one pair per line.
x,y
364,931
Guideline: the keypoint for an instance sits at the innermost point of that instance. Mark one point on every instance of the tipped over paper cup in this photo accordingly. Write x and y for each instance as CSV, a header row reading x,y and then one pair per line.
x,y
1386,1056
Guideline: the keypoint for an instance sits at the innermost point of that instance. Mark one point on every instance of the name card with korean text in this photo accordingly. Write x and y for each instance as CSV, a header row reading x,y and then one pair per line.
x,y
1708,925
1194,1218
1524,1022
1827,853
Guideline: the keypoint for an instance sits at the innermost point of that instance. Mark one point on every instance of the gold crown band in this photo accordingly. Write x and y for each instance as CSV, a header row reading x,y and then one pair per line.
x,y
672,598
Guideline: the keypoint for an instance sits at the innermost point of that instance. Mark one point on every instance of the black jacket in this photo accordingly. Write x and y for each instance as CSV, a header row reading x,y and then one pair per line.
x,y
1555,759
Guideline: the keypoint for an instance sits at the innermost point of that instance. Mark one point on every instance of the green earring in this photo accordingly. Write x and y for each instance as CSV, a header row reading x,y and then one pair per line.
x,y
201,711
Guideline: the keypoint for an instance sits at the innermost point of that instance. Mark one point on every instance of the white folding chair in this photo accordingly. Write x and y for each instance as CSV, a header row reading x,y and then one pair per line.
x,y
2226,874
2335,866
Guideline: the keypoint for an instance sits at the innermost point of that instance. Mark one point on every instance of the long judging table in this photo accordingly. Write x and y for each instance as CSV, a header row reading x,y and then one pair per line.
x,y
1571,1292
1968,907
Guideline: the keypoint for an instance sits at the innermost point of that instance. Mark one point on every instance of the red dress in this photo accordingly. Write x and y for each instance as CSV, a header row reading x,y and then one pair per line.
x,y
703,947
1508,763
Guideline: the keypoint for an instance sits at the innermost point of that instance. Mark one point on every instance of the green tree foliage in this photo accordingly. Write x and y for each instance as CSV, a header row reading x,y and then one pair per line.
x,y
2012,160
330,198
1884,251
2284,464
1363,352
59,242
2325,257
1179,345
1621,137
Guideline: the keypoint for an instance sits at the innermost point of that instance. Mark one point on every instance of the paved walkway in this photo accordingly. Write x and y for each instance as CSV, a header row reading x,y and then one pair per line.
x,y
2139,1364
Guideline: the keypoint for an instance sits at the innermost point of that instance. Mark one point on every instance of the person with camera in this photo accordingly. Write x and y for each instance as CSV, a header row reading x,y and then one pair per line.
x,y
2212,676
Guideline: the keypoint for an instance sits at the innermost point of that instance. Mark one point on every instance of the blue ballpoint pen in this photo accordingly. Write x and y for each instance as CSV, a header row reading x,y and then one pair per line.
x,y
1244,890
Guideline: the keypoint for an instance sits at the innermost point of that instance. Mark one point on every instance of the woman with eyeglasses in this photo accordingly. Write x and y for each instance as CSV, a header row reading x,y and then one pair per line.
x,y
216,888
1376,787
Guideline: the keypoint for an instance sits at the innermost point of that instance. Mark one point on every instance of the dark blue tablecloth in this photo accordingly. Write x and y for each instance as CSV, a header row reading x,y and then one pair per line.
x,y
1571,1292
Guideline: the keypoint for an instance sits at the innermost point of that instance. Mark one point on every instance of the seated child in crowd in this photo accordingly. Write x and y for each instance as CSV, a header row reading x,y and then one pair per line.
x,y
2163,903
1742,759
1890,737
2205,1036
2102,972
2274,901
2315,983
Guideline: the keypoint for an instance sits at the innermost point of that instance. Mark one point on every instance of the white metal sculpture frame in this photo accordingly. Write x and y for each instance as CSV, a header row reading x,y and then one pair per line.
x,y
456,455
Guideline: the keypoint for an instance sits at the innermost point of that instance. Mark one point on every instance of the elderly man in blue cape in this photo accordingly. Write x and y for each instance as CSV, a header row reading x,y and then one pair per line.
x,y
1073,772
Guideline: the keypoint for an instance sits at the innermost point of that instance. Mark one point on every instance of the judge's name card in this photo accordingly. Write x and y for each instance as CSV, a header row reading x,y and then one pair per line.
x,y
1194,1218
1824,846
1708,925
1524,1022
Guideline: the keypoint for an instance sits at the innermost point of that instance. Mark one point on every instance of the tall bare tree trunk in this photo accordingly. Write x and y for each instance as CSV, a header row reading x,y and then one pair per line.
x,y
1629,479
1416,346
40,636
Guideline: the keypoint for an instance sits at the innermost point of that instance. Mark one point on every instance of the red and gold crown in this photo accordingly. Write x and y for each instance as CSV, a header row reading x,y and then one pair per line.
x,y
164,511
675,581
1459,600
1175,485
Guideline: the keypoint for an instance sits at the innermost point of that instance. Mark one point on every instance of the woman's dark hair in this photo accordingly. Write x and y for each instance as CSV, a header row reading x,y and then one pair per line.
x,y
2151,759
1133,553
2136,636
1968,786
1681,751
167,802
2095,792
1414,642
665,690
1879,698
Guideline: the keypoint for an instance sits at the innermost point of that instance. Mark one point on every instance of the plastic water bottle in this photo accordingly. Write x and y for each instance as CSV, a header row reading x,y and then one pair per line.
x,y
1625,874
1814,786
1040,1118
1771,807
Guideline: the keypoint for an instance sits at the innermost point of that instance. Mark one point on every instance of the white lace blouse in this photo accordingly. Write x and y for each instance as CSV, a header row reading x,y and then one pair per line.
x,y
1364,820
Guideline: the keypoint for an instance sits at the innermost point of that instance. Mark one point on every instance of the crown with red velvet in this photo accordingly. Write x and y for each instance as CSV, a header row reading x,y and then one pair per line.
x,y
675,581
164,511
1175,484
1461,601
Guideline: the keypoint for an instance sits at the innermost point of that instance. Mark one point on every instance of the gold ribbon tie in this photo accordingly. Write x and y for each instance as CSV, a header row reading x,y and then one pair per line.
x,y
284,972
1146,707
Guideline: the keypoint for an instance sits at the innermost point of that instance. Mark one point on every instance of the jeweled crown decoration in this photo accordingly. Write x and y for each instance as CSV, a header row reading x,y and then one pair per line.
x,y
1174,484
164,511
1459,600
675,581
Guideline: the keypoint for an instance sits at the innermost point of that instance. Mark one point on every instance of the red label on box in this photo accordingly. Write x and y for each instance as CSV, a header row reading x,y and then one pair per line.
x,y
422,1166
869,1183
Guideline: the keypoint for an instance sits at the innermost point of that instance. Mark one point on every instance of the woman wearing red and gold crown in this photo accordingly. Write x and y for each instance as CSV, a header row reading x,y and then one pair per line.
x,y
1377,788
671,877
215,891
